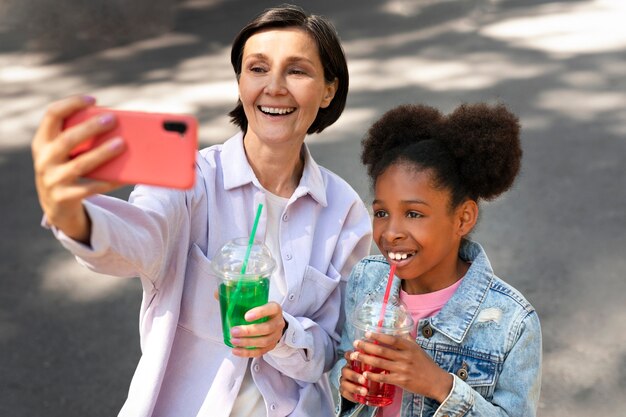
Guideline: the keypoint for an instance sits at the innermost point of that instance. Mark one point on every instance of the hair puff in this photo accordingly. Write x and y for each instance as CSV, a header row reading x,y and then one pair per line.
x,y
397,129
485,141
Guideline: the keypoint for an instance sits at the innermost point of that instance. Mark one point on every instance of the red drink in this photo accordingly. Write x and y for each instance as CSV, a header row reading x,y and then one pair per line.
x,y
378,394
374,315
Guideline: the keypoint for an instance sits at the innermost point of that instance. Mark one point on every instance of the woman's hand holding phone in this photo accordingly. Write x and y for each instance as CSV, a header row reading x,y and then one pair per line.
x,y
59,177
160,147
80,150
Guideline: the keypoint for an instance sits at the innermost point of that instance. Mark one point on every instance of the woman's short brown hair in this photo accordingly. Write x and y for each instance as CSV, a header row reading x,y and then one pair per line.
x,y
328,46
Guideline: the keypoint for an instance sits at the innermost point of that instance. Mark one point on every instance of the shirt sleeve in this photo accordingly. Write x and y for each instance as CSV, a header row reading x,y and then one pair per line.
x,y
517,389
131,238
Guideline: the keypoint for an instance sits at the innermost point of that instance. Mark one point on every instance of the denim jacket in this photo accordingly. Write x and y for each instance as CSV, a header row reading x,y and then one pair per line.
x,y
487,336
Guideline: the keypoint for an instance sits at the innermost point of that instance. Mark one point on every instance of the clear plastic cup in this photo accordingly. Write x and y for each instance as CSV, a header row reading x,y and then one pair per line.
x,y
239,292
396,321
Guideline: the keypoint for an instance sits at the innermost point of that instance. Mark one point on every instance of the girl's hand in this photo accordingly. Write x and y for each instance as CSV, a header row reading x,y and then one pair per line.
x,y
351,382
58,178
262,336
410,368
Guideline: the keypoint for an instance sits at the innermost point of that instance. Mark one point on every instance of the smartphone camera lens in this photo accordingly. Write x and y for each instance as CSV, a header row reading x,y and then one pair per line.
x,y
175,126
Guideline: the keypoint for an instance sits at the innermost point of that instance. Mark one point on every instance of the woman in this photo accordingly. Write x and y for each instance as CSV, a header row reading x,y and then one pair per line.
x,y
293,80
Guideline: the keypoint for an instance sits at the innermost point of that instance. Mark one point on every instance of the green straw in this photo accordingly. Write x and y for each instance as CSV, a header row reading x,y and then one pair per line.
x,y
231,306
251,241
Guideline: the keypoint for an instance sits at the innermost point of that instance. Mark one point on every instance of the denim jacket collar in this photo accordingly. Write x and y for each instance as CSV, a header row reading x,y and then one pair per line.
x,y
455,317
238,172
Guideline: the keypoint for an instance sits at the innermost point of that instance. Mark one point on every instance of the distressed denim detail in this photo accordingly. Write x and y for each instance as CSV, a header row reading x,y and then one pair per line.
x,y
487,332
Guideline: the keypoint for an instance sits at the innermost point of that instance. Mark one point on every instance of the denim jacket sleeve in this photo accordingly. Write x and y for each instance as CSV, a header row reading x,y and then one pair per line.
x,y
358,286
517,390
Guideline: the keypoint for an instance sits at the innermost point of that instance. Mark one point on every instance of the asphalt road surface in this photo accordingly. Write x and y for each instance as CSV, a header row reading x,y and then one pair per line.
x,y
69,338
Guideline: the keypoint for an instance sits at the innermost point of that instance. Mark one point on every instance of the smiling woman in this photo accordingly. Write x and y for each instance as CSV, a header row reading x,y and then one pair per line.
x,y
328,52
282,88
293,80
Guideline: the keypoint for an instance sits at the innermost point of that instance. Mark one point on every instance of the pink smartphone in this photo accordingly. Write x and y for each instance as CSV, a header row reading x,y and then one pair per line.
x,y
160,148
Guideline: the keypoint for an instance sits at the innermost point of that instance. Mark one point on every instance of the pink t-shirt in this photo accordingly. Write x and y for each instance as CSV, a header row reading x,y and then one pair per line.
x,y
420,306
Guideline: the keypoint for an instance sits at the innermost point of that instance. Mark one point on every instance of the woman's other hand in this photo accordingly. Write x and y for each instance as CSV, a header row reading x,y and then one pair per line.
x,y
262,336
58,177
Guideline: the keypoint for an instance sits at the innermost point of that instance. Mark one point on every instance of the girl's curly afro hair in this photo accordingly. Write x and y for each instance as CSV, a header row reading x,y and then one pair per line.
x,y
474,151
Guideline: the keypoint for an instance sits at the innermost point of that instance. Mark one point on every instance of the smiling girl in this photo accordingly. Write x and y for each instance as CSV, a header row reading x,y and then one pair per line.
x,y
476,348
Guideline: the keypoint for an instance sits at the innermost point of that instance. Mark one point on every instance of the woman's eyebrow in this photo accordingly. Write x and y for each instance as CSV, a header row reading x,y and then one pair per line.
x,y
299,59
256,55
292,59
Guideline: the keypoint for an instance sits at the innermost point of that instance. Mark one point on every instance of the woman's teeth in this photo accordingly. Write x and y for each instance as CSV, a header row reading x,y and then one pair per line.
x,y
276,110
398,256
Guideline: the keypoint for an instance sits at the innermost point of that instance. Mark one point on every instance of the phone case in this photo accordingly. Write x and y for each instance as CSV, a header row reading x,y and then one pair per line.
x,y
160,148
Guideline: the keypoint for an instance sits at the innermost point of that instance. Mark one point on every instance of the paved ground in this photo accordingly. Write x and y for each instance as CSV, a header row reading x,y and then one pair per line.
x,y
68,338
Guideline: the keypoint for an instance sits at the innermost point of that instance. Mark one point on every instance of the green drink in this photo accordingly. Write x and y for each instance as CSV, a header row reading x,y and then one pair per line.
x,y
236,298
244,269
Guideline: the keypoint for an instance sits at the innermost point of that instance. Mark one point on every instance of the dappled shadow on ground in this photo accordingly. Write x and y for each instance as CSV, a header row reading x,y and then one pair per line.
x,y
558,236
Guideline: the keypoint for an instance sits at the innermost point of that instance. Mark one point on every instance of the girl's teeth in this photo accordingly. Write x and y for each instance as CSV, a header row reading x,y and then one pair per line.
x,y
398,256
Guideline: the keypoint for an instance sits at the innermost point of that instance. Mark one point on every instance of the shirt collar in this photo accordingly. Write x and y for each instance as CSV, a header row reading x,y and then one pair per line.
x,y
238,172
457,315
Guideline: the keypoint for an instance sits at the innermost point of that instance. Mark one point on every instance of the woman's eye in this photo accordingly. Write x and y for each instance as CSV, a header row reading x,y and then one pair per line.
x,y
297,71
413,215
380,213
257,69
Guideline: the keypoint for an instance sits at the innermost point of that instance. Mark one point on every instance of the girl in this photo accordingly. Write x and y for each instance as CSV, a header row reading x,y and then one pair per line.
x,y
293,81
476,348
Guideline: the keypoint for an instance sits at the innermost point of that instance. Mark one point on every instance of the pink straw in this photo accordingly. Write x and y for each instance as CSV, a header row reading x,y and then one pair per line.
x,y
392,271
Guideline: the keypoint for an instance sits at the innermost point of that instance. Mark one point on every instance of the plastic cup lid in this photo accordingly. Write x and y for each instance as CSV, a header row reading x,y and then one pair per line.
x,y
228,261
397,319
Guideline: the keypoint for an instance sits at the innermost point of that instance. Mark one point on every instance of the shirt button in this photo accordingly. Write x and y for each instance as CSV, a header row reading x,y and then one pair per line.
x,y
427,331
291,297
256,367
273,406
288,256
285,217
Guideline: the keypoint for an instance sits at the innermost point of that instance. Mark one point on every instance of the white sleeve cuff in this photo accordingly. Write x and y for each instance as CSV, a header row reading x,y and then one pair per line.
x,y
294,339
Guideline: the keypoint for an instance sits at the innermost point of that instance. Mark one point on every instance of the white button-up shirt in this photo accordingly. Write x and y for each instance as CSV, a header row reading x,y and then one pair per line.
x,y
167,237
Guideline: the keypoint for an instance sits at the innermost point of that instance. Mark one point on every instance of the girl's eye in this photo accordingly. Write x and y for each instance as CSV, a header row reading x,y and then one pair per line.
x,y
380,213
413,215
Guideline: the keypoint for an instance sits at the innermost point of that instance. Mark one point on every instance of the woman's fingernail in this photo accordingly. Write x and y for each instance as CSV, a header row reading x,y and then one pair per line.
x,y
89,99
105,119
116,143
235,332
